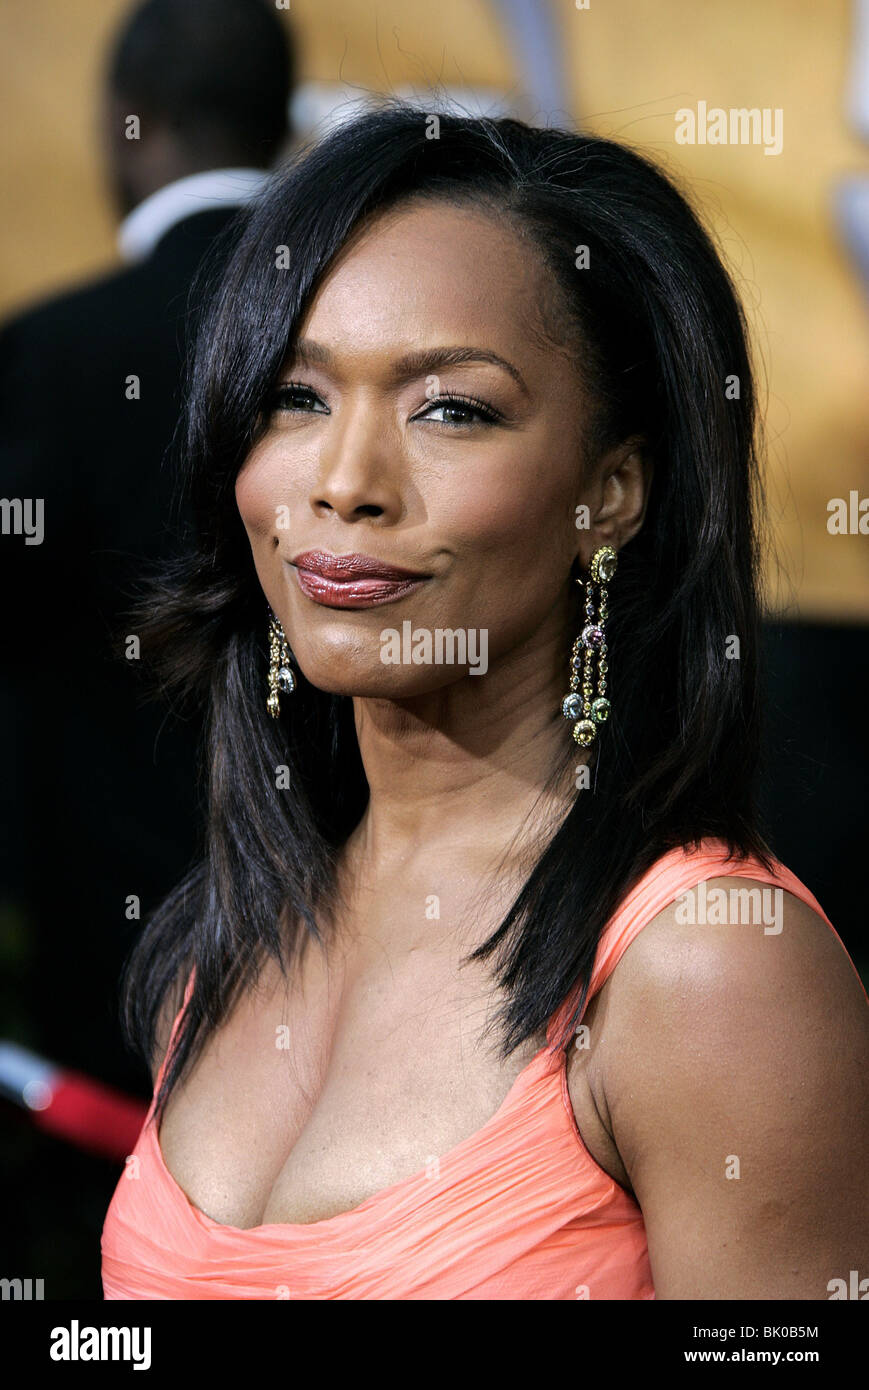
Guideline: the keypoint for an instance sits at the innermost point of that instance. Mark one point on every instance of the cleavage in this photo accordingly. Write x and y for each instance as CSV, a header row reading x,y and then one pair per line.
x,y
309,1101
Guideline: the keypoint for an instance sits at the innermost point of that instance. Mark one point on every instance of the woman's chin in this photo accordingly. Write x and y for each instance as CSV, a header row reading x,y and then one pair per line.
x,y
384,683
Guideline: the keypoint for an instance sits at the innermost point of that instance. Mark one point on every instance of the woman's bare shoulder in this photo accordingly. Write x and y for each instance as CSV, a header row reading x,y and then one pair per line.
x,y
733,1052
731,935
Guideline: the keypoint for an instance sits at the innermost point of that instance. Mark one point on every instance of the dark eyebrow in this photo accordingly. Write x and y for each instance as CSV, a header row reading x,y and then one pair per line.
x,y
422,361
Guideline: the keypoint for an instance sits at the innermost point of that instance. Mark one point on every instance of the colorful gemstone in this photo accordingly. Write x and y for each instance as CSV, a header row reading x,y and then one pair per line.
x,y
571,706
286,680
600,710
584,732
592,636
603,564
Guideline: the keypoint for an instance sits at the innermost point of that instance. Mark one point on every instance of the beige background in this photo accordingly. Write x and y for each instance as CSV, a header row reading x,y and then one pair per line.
x,y
631,65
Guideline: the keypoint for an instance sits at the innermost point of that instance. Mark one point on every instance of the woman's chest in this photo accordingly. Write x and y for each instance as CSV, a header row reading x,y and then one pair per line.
x,y
313,1097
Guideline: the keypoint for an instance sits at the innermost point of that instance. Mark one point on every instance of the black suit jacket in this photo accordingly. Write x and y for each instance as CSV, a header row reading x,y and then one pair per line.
x,y
99,799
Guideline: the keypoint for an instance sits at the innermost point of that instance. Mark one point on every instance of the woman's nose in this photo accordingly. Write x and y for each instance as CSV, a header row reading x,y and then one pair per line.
x,y
360,467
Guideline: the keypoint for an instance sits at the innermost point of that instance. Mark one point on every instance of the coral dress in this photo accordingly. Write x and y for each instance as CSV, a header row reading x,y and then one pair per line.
x,y
520,1210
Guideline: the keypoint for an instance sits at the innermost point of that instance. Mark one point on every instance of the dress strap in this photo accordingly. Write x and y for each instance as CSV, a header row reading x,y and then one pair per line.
x,y
674,873
174,1029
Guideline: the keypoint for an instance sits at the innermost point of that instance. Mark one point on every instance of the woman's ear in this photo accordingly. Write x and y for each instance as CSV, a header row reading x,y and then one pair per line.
x,y
623,479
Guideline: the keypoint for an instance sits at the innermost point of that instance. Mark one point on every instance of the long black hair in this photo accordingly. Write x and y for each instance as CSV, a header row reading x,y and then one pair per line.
x,y
665,355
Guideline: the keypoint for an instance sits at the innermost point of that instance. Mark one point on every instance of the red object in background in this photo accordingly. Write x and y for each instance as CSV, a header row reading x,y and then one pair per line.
x,y
92,1116
71,1106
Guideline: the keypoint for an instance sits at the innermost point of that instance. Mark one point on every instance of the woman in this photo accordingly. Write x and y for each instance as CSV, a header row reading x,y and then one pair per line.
x,y
468,999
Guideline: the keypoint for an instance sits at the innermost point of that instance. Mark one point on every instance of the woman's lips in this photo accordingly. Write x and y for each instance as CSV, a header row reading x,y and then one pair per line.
x,y
352,581
353,593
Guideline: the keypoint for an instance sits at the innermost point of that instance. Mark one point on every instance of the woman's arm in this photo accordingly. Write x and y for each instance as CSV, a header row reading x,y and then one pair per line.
x,y
735,1072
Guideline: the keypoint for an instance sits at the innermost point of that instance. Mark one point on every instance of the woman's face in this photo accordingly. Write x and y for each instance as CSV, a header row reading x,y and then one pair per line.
x,y
361,456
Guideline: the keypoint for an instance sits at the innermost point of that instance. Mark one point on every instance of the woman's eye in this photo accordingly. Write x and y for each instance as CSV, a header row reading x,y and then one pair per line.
x,y
460,410
449,410
294,396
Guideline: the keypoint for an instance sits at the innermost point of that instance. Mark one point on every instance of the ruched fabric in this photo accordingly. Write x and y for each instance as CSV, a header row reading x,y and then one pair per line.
x,y
520,1210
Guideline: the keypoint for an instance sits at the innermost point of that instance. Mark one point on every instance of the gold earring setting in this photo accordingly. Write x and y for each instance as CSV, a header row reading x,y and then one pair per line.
x,y
281,678
585,704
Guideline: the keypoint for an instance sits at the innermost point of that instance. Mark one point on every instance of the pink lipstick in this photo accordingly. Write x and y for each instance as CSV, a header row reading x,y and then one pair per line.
x,y
352,581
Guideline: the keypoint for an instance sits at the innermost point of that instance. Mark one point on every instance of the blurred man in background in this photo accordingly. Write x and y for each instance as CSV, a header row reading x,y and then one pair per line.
x,y
99,803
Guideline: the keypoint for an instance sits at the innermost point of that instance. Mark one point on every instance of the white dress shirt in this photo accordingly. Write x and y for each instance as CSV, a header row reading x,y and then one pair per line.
x,y
142,228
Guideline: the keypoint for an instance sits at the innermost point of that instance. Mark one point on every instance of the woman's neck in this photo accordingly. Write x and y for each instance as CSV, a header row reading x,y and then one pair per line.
x,y
465,764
